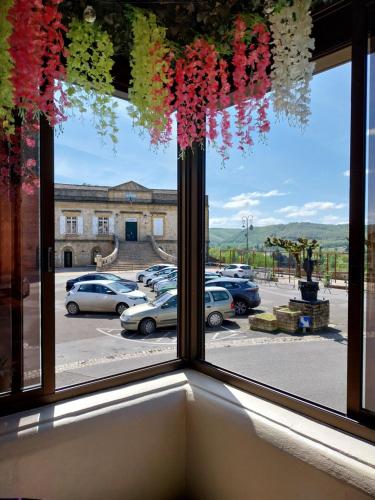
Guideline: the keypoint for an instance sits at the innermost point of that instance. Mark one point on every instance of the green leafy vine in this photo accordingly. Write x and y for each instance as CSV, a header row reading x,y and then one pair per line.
x,y
89,77
6,66
148,92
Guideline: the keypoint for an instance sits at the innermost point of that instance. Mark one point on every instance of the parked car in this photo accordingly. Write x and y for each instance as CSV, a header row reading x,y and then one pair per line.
x,y
238,271
151,273
163,311
159,275
172,283
156,267
101,277
170,280
102,296
245,293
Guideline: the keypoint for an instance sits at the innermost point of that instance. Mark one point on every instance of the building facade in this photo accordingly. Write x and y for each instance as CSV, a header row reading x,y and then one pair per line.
x,y
87,219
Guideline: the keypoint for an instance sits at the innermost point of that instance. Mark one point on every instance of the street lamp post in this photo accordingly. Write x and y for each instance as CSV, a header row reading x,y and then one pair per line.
x,y
247,223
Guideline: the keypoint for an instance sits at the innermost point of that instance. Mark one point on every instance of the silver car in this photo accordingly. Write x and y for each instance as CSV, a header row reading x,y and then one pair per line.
x,y
156,267
159,275
102,296
151,274
163,311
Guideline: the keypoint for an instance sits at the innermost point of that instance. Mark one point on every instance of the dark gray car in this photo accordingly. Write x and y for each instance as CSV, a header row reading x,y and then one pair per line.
x,y
245,293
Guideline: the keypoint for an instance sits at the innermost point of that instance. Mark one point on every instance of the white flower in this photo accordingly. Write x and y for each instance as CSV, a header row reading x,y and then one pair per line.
x,y
292,69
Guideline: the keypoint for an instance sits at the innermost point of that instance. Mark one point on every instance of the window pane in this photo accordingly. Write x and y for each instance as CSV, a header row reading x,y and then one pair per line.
x,y
20,360
115,213
293,185
369,335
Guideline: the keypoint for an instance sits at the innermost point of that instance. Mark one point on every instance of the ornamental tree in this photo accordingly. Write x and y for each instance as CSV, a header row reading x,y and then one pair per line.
x,y
293,247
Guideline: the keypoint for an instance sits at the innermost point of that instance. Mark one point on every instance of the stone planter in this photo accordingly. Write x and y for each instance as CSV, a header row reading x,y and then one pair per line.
x,y
309,290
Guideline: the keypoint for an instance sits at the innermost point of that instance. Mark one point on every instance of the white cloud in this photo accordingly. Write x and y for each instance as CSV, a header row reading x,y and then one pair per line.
x,y
241,167
251,199
322,205
309,209
268,221
241,202
346,173
288,181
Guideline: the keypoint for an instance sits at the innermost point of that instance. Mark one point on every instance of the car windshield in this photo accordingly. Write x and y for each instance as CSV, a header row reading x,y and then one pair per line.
x,y
163,298
118,287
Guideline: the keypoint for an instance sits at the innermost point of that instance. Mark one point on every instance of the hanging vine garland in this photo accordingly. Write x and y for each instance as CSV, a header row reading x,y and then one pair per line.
x,y
6,67
152,77
89,77
292,69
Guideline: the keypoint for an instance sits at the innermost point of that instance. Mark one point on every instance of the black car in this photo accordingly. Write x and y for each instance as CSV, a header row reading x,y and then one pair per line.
x,y
245,293
101,276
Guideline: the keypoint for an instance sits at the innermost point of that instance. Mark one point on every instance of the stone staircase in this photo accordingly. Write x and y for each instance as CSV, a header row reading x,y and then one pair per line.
x,y
133,255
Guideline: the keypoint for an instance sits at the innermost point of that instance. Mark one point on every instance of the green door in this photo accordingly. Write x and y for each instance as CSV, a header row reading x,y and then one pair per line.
x,y
131,231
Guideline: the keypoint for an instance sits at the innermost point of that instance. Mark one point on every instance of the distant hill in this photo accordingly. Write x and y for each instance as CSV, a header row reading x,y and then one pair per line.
x,y
328,235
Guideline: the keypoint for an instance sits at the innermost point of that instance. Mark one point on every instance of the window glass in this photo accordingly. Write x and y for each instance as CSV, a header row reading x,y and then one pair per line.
x,y
20,273
219,295
87,288
207,297
115,212
294,184
369,285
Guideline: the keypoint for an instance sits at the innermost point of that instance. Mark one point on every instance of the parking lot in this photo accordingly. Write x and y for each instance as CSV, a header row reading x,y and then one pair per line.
x,y
311,365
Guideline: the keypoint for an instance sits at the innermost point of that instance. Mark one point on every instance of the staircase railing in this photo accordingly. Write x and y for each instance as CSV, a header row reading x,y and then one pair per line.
x,y
109,259
172,259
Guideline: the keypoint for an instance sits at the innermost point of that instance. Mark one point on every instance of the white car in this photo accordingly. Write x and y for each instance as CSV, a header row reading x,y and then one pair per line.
x,y
151,274
156,267
102,296
238,271
171,280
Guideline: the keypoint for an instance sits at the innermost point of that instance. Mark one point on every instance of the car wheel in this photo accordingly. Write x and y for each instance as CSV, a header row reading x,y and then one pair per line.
x,y
240,307
120,308
236,276
140,278
147,326
215,319
148,282
72,308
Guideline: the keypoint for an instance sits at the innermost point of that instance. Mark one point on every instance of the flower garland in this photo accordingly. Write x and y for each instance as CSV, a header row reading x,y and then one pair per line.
x,y
37,49
152,78
196,93
6,67
292,70
89,77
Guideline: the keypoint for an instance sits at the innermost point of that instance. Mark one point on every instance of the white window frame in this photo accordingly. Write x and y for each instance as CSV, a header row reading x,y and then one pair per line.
x,y
71,225
103,225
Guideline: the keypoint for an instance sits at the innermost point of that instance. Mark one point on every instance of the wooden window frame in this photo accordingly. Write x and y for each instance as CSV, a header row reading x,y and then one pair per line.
x,y
350,21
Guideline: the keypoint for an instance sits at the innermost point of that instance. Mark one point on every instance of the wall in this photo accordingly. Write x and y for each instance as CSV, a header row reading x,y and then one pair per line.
x,y
183,435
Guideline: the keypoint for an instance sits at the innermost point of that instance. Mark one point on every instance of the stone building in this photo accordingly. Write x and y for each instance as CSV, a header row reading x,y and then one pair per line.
x,y
87,219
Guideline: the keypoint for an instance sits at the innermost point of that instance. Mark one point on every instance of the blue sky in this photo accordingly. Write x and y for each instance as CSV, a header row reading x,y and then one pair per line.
x,y
294,176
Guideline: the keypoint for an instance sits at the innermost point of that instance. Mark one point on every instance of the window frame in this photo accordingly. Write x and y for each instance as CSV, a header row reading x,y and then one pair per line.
x,y
103,226
70,222
350,20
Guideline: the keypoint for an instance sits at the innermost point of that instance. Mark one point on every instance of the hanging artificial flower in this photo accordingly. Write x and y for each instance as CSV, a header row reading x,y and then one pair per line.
x,y
18,163
292,69
37,49
90,82
196,93
6,67
251,59
152,77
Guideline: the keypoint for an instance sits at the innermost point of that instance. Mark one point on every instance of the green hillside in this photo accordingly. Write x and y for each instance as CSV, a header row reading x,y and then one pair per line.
x,y
328,235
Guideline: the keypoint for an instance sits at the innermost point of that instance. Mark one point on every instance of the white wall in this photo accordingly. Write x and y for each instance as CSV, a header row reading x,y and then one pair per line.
x,y
179,434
